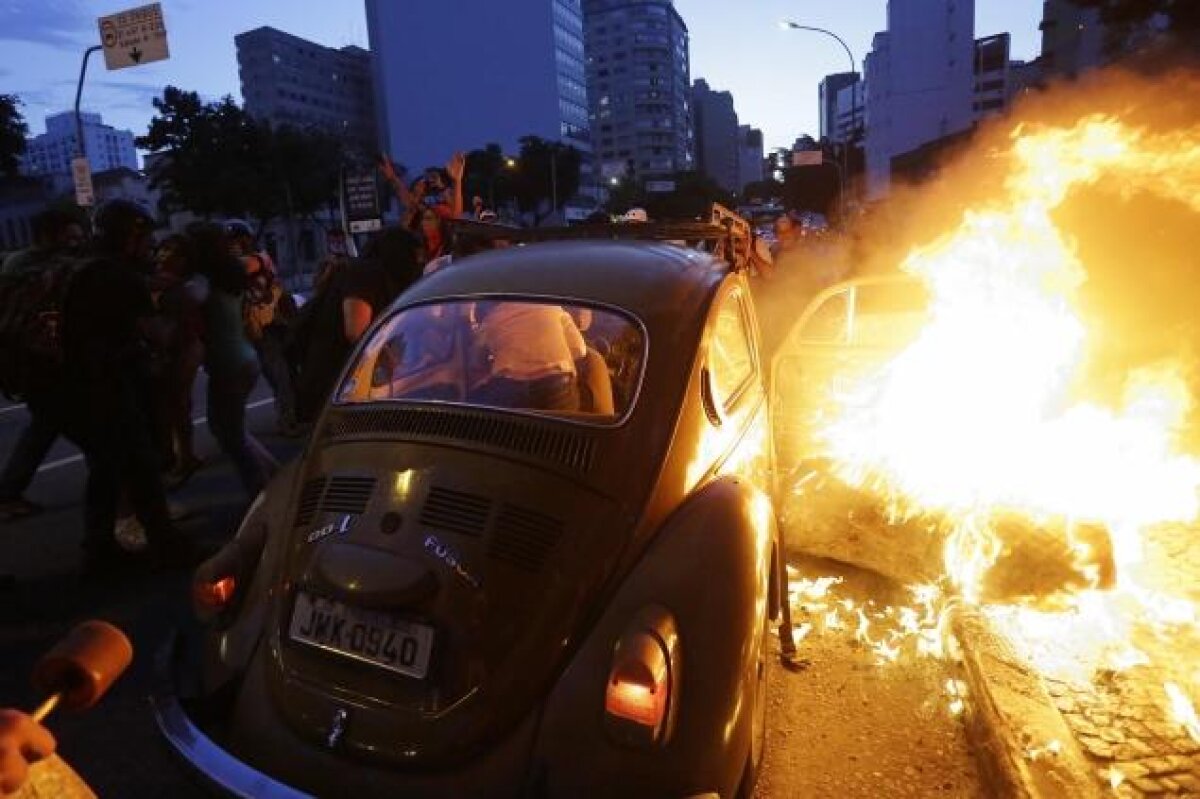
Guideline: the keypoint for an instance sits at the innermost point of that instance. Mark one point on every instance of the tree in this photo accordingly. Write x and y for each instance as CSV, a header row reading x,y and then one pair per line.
x,y
488,176
13,131
220,161
762,190
628,192
210,150
811,188
299,170
692,197
546,176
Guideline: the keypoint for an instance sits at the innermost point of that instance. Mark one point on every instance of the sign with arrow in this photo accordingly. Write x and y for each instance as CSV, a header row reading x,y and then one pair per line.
x,y
133,37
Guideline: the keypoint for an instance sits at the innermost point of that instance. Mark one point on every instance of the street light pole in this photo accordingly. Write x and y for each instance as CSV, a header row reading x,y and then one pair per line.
x,y
845,167
787,23
79,146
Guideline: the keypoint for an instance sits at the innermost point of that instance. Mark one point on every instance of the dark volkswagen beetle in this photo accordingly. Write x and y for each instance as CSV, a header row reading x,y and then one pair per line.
x,y
501,571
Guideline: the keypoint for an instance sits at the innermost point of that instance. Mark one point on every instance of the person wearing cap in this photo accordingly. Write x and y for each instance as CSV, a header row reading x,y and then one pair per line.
x,y
108,323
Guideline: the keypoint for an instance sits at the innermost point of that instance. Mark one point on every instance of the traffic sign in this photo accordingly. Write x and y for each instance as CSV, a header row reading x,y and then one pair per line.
x,y
133,37
81,174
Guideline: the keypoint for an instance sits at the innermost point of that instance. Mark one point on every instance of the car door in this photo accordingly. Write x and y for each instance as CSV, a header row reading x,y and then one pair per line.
x,y
847,333
802,373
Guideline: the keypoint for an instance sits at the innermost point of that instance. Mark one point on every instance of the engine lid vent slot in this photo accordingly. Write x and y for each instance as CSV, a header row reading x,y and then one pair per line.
x,y
523,537
348,495
333,495
456,511
310,500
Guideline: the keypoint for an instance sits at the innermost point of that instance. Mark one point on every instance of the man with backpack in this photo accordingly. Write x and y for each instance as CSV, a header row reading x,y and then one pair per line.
x,y
32,286
267,309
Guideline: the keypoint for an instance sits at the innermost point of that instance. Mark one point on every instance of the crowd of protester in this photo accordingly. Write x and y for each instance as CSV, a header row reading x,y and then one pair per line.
x,y
135,322
132,323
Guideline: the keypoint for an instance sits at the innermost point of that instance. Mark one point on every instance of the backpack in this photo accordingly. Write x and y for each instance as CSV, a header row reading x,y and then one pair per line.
x,y
31,324
260,301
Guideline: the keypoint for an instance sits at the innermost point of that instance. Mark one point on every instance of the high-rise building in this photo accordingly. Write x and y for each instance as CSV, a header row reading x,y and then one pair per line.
x,y
50,153
716,124
920,81
750,156
1072,38
287,80
828,91
639,88
460,74
993,87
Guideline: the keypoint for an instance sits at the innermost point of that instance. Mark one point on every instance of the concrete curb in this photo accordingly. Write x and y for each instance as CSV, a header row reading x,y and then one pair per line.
x,y
1010,715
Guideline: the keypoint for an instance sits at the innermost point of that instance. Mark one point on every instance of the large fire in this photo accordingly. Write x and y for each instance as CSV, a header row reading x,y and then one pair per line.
x,y
985,417
975,418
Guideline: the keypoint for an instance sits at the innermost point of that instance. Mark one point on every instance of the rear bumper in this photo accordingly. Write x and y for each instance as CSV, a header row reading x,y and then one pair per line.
x,y
213,764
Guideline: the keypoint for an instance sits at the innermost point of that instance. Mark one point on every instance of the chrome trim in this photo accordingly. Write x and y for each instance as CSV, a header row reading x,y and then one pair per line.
x,y
214,764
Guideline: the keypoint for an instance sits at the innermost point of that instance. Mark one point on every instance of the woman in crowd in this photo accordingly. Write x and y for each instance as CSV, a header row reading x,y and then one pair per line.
x,y
341,312
434,235
229,358
180,297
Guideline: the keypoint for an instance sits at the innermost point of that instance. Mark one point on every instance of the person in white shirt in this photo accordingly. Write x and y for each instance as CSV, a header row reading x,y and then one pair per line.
x,y
532,349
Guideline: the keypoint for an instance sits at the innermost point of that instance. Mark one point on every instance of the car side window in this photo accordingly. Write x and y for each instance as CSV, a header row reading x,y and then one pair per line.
x,y
731,354
829,323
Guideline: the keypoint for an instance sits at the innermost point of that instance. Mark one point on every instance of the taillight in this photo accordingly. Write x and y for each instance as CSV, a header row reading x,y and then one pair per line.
x,y
214,595
216,581
643,682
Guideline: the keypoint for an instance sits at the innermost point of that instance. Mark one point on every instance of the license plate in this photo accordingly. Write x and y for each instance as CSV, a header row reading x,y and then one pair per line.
x,y
370,636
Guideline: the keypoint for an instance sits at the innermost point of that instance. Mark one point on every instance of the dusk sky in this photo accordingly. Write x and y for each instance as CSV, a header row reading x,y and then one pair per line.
x,y
736,46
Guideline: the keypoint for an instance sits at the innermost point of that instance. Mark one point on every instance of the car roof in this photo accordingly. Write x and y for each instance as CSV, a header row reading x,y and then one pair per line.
x,y
650,279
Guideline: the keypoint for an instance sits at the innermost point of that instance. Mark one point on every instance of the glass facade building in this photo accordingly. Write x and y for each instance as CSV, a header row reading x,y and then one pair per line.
x,y
459,74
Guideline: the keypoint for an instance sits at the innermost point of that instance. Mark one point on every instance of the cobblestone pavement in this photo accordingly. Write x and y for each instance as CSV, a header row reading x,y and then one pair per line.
x,y
1121,714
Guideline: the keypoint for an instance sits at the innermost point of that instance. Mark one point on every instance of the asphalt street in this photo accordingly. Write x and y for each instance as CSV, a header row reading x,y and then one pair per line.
x,y
115,746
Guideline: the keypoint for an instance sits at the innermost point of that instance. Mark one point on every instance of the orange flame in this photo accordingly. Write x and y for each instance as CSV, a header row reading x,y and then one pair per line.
x,y
976,418
1182,710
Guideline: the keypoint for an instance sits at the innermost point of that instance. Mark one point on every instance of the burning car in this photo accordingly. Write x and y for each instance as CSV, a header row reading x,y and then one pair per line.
x,y
833,358
498,570
847,331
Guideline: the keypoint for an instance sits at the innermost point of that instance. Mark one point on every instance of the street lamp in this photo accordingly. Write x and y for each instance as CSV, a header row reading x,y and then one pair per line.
x,y
509,163
787,24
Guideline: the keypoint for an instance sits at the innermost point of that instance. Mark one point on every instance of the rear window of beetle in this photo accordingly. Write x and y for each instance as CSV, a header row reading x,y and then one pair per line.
x,y
528,355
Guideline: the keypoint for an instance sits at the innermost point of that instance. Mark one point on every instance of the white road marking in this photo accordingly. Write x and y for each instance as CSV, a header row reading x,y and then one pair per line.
x,y
11,409
45,467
